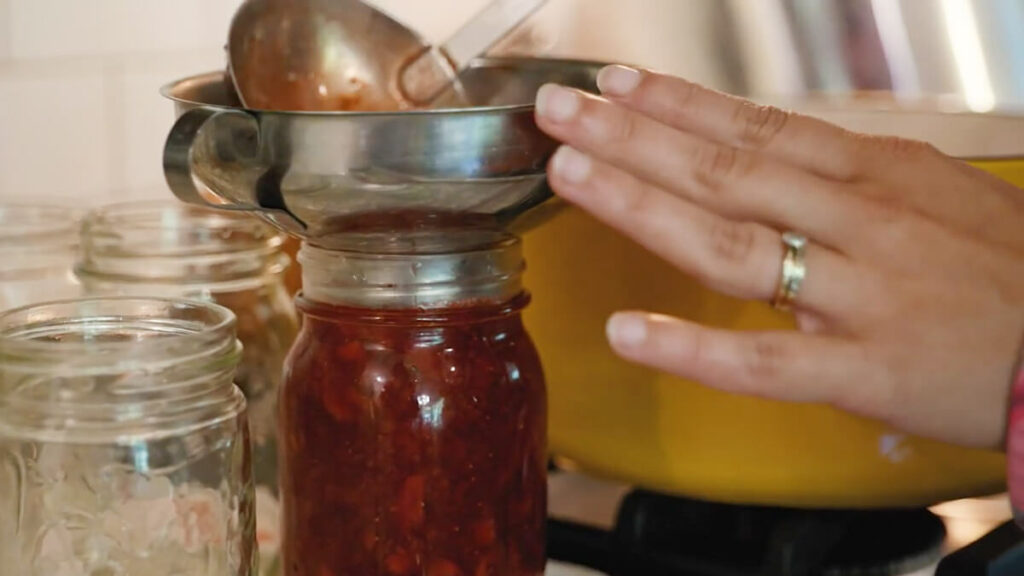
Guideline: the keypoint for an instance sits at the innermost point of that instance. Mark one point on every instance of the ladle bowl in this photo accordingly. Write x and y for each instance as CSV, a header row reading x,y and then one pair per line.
x,y
322,176
319,55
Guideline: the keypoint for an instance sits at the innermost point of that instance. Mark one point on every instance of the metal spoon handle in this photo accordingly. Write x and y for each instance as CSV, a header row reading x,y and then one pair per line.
x,y
429,74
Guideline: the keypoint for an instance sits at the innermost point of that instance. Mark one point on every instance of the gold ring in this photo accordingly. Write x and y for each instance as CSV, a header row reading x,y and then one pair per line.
x,y
794,270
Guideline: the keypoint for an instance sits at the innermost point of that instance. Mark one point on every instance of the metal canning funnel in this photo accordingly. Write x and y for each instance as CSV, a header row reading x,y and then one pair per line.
x,y
330,177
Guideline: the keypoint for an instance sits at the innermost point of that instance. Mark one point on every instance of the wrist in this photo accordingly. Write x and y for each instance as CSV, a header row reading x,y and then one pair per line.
x,y
1015,441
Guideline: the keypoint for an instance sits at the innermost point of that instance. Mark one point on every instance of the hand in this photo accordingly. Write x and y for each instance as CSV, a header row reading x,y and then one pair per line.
x,y
912,311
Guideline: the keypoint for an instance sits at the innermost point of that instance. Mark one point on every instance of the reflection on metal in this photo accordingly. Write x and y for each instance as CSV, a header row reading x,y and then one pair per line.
x,y
320,176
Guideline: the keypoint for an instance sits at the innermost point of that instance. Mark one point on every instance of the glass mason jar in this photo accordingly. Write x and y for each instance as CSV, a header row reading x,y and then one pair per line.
x,y
170,249
413,418
37,254
123,441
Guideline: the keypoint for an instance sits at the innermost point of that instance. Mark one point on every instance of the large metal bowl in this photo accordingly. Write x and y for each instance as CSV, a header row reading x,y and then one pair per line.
x,y
322,175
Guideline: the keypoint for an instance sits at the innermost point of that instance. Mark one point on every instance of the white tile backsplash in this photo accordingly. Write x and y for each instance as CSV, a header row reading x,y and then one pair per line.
x,y
62,28
148,116
53,135
54,28
216,19
5,31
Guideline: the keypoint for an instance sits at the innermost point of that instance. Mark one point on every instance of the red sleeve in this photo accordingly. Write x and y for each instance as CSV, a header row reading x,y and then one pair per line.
x,y
1015,446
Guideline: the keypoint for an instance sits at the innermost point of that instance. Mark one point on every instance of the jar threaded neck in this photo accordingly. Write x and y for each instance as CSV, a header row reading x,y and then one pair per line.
x,y
410,280
167,242
91,368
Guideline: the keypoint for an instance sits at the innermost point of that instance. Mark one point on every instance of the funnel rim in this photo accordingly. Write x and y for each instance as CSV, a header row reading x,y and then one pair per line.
x,y
167,92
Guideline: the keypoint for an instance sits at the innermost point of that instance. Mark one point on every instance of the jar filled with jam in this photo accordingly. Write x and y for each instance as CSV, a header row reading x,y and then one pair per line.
x,y
413,417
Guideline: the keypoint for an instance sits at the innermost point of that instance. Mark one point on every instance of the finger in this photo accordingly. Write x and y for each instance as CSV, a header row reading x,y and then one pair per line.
x,y
919,176
806,142
733,183
786,366
825,149
741,259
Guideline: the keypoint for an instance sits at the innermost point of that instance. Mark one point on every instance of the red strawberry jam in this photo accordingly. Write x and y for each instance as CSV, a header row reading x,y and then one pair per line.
x,y
413,419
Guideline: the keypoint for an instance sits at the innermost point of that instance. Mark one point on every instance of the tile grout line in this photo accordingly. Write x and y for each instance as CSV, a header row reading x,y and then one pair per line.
x,y
6,29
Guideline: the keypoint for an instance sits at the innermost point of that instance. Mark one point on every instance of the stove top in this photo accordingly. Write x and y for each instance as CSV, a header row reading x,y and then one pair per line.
x,y
597,527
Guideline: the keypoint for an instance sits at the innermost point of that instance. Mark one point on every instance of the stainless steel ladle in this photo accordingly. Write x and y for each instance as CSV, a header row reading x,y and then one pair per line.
x,y
329,55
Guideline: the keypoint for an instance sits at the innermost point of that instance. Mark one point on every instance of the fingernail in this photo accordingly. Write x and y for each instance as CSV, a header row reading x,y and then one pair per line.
x,y
571,165
616,80
557,103
627,330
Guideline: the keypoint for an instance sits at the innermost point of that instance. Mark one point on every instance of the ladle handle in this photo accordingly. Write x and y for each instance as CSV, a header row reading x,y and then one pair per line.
x,y
426,77
498,19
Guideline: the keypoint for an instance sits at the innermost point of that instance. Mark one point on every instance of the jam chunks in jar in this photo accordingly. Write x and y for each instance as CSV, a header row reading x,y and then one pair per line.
x,y
413,418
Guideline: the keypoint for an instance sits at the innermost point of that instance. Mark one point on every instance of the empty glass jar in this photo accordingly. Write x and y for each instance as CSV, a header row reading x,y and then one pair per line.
x,y
413,418
37,254
123,442
171,249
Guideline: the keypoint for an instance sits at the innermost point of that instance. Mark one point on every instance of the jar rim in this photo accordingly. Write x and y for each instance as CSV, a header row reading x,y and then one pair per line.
x,y
17,323
436,247
94,369
167,241
423,242
414,278
469,312
173,215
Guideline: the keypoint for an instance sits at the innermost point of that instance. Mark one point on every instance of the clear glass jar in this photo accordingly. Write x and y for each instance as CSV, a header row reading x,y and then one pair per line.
x,y
37,254
170,249
413,418
123,442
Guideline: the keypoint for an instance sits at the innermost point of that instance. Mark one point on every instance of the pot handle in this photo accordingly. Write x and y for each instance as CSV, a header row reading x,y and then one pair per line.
x,y
211,154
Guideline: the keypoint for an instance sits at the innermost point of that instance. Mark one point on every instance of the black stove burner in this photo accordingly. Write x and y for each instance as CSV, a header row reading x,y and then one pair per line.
x,y
658,535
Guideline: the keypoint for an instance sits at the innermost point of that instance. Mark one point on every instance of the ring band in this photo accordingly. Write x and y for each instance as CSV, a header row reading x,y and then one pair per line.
x,y
794,270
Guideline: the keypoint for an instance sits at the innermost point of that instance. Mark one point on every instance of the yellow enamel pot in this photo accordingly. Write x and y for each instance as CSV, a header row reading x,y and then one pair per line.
x,y
627,423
